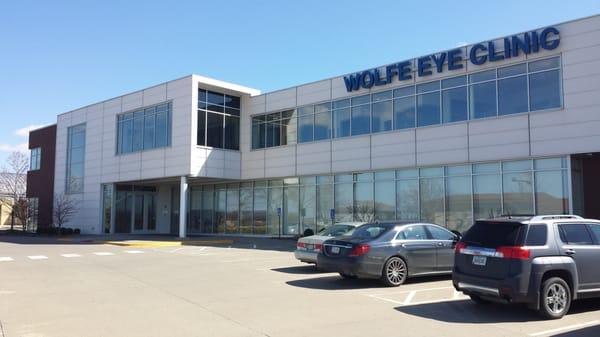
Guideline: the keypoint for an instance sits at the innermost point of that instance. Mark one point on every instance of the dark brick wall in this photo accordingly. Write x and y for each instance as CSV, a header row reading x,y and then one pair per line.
x,y
40,183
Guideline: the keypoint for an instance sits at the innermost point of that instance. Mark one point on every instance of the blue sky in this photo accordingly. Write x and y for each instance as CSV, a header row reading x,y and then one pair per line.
x,y
56,56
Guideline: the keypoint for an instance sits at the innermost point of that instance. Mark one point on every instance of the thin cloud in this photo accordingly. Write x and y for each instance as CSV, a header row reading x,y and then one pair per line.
x,y
24,132
23,147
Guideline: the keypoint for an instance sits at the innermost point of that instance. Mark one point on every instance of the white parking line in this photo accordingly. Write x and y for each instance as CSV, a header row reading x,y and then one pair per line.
x,y
103,253
410,297
37,257
70,255
564,328
134,252
5,259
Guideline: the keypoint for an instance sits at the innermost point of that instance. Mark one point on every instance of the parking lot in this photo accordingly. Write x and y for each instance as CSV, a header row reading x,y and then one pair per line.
x,y
56,288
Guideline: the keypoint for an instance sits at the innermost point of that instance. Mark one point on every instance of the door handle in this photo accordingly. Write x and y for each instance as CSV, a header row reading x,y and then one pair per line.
x,y
570,251
440,244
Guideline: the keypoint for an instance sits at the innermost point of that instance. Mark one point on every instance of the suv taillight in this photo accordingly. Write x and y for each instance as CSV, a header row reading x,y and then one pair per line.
x,y
514,252
459,247
360,249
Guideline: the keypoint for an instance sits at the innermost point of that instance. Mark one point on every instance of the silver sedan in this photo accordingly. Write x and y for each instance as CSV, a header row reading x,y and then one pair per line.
x,y
308,247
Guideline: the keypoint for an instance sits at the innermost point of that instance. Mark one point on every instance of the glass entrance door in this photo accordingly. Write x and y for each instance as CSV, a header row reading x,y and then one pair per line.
x,y
143,216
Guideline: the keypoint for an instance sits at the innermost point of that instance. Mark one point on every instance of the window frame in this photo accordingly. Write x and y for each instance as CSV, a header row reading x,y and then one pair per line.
x,y
36,153
129,116
401,92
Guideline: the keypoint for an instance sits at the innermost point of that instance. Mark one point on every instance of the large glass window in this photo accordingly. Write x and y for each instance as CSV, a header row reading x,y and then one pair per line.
x,y
364,210
75,158
383,112
385,196
482,94
220,208
260,209
512,89
324,202
36,159
275,208
322,121
291,216
308,205
208,209
428,104
551,186
218,120
144,129
487,196
522,87
432,199
246,197
344,202
233,204
458,202
361,115
517,186
454,100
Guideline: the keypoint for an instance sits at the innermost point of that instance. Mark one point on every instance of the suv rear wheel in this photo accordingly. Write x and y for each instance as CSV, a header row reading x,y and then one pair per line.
x,y
394,272
555,299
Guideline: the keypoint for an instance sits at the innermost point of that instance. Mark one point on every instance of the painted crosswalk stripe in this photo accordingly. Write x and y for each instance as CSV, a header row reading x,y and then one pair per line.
x,y
70,255
5,259
134,252
103,253
37,257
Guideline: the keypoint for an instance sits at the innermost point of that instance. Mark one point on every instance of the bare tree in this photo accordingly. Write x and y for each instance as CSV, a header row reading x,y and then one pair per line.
x,y
13,180
363,211
64,209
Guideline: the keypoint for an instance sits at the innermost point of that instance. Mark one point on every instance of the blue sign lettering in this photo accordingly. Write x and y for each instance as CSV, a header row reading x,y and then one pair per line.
x,y
480,53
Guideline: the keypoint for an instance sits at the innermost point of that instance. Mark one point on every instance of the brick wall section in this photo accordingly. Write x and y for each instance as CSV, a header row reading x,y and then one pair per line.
x,y
40,183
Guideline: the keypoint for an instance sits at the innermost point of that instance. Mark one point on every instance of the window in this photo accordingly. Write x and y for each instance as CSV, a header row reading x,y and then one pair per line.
x,y
544,84
361,115
575,234
36,159
512,89
482,94
32,213
144,129
219,121
517,88
438,233
75,158
416,232
322,121
383,112
306,123
454,99
428,104
595,229
537,235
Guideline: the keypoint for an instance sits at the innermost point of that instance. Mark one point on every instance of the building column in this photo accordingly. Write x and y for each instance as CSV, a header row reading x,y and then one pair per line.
x,y
183,191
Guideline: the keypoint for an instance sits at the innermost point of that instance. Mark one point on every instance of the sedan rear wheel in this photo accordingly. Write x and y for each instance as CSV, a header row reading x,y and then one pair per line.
x,y
394,272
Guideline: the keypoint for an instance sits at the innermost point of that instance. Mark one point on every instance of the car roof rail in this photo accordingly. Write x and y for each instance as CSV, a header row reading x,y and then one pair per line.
x,y
511,216
556,217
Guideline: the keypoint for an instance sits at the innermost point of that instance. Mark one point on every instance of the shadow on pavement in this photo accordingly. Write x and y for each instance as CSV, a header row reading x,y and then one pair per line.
x,y
300,270
335,282
469,312
427,279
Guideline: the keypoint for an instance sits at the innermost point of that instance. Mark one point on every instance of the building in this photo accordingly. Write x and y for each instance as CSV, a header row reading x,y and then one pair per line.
x,y
507,126
40,177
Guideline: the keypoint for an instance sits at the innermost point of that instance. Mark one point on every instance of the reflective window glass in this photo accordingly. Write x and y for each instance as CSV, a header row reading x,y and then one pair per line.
x,y
512,95
428,109
454,105
404,113
382,116
482,100
544,90
341,123
361,120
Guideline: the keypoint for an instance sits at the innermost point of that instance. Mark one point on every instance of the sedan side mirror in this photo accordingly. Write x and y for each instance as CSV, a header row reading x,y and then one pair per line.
x,y
457,234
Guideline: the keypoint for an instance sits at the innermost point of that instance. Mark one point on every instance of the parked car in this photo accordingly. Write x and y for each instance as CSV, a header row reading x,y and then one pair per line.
x,y
308,247
391,252
545,262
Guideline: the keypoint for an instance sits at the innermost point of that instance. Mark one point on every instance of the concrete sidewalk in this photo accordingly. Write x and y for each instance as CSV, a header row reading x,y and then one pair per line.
x,y
133,240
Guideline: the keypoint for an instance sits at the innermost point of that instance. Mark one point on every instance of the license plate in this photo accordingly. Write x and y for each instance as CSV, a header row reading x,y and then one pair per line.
x,y
335,250
310,247
479,260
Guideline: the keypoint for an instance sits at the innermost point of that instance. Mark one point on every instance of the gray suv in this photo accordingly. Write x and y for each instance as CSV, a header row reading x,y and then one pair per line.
x,y
545,262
